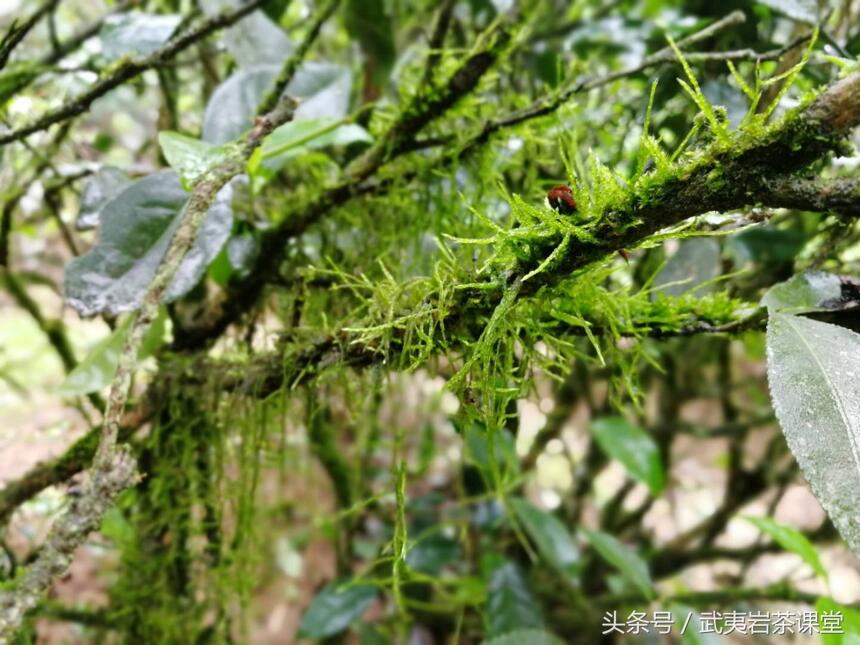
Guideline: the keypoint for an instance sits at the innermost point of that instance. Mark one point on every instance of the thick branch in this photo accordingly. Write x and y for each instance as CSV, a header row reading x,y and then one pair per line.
x,y
841,196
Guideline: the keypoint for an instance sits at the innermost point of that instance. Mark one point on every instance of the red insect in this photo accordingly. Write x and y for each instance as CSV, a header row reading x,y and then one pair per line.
x,y
561,199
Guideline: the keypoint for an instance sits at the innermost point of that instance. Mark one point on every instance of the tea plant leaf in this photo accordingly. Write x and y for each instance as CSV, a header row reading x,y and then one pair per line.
x,y
631,566
790,539
553,540
814,374
136,228
633,447
510,602
334,608
804,292
136,33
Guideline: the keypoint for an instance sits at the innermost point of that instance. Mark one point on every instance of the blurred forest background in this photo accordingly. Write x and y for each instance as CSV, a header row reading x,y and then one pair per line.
x,y
391,396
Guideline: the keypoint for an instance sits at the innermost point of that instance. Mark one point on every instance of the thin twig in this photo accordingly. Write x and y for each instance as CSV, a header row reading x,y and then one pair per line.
x,y
291,65
129,69
16,34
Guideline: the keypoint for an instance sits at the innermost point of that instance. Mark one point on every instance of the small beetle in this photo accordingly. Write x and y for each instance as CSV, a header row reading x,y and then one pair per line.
x,y
561,199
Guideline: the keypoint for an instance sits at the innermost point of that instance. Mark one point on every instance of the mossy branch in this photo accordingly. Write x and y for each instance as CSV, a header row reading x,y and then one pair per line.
x,y
759,175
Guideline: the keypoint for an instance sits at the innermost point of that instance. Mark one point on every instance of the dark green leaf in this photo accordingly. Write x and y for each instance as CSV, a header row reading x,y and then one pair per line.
x,y
525,637
804,292
137,34
552,538
510,602
633,447
136,228
243,41
813,370
479,450
433,552
335,607
790,539
631,566
767,244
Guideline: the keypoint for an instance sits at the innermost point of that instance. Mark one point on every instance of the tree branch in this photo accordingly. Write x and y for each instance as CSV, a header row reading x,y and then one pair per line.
x,y
841,196
16,34
114,468
129,69
295,59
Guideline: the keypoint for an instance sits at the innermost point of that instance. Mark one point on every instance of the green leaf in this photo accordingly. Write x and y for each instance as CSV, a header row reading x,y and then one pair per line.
x,y
767,244
814,374
525,637
322,88
334,608
633,447
804,292
833,617
313,133
553,540
136,33
135,231
631,566
99,188
790,539
478,447
691,268
189,157
296,137
97,370
510,602
433,552
242,40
